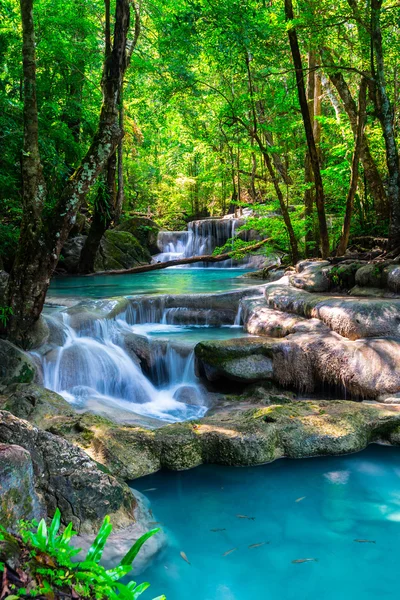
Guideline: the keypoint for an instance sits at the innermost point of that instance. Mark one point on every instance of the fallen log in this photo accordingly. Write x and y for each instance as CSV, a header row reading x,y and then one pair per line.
x,y
208,258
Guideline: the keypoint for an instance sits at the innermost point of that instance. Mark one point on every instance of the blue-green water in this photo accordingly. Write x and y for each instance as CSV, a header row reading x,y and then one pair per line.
x,y
343,499
167,281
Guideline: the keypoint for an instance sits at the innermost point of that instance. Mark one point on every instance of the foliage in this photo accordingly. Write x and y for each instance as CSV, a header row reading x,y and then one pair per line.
x,y
55,566
5,313
198,75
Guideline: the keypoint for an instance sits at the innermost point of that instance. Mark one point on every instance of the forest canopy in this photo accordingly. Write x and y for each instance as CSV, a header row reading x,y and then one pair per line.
x,y
290,109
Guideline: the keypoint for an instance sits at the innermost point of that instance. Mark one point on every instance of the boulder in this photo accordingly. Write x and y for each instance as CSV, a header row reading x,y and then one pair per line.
x,y
258,319
68,479
16,366
145,231
351,317
368,368
18,497
71,253
372,275
312,276
34,403
120,250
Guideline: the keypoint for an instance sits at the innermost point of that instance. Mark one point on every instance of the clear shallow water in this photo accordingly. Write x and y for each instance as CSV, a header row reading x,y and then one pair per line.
x,y
190,334
167,281
345,498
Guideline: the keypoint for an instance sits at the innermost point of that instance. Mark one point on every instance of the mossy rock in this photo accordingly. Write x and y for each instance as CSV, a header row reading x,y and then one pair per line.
x,y
35,404
16,366
120,250
145,231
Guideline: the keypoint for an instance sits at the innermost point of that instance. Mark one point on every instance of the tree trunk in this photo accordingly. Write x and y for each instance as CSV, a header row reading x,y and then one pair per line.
x,y
372,174
362,105
319,189
308,172
385,116
102,217
41,240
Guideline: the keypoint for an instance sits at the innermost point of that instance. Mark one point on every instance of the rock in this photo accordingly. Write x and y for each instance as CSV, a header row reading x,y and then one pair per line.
x,y
343,275
66,477
145,231
35,404
189,394
120,250
37,335
81,226
353,318
71,253
242,434
393,278
312,276
18,497
372,275
368,368
16,366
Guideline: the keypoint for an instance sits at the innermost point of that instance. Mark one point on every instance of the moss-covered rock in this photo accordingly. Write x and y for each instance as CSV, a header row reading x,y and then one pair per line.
x,y
18,497
35,404
145,231
120,250
66,477
241,433
16,366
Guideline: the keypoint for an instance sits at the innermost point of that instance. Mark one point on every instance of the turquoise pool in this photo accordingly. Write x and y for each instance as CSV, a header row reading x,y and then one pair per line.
x,y
167,281
313,508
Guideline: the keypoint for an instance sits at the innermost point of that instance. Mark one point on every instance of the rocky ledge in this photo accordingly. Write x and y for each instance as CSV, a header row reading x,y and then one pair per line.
x,y
252,429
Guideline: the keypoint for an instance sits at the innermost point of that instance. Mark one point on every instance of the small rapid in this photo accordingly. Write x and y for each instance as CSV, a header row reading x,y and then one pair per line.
x,y
202,237
92,365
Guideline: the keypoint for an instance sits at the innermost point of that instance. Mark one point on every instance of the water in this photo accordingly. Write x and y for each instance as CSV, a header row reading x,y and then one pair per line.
x,y
167,281
116,367
345,498
202,237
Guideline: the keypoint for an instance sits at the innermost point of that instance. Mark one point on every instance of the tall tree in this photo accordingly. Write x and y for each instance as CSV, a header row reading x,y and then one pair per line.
x,y
108,204
42,237
385,115
312,149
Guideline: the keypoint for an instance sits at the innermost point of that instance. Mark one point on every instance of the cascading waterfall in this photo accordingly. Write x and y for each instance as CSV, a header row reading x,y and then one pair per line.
x,y
90,367
201,237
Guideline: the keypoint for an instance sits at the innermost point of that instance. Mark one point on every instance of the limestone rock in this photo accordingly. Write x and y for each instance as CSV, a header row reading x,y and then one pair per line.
x,y
16,366
312,276
18,497
145,231
243,434
120,250
35,404
351,317
66,477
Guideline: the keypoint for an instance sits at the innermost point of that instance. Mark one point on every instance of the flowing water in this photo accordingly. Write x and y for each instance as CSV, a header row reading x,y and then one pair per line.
x,y
203,237
312,508
140,362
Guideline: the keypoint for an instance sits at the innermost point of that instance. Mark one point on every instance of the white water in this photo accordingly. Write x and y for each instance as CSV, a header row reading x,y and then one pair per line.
x,y
202,237
89,365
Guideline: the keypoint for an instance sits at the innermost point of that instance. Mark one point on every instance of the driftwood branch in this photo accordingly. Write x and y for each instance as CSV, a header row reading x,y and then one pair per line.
x,y
207,258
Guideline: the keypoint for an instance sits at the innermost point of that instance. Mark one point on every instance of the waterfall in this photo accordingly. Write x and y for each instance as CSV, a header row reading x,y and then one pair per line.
x,y
92,367
201,237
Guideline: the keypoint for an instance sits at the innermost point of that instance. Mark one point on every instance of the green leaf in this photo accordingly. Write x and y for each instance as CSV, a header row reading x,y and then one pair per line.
x,y
139,590
55,526
42,533
133,552
96,549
